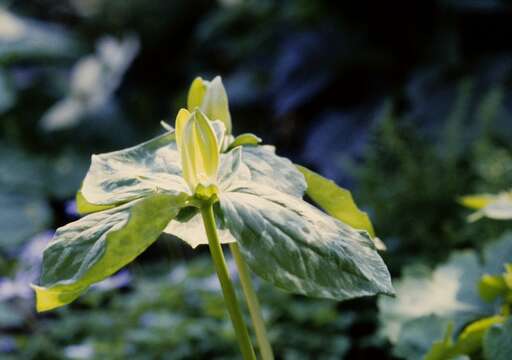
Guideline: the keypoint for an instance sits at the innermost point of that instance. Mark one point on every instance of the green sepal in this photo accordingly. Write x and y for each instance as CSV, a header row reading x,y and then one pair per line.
x,y
124,175
268,169
245,139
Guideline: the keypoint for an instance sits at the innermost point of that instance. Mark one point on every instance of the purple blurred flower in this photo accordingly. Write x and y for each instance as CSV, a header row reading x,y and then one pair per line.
x,y
70,209
119,280
28,269
7,344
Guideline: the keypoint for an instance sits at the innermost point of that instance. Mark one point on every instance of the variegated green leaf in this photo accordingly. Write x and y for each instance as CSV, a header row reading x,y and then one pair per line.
x,y
121,176
300,249
266,168
90,249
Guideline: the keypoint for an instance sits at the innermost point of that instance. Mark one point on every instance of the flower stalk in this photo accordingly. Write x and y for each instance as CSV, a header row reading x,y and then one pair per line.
x,y
227,286
252,303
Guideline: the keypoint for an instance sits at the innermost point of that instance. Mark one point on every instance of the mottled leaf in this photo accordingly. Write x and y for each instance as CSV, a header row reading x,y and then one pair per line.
x,y
90,249
298,248
192,231
268,169
128,174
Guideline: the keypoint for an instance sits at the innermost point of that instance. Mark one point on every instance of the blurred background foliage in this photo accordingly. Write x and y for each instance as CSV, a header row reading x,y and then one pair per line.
x,y
406,103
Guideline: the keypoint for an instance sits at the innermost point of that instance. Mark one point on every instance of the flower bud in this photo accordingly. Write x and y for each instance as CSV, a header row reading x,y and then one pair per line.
x,y
211,98
198,149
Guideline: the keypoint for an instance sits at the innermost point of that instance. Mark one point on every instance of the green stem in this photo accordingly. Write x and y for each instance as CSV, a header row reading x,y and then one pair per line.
x,y
252,303
227,286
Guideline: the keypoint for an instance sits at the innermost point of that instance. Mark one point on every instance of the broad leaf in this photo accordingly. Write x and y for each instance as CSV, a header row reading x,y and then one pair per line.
x,y
300,249
336,201
154,166
125,175
192,231
268,169
497,343
148,168
96,246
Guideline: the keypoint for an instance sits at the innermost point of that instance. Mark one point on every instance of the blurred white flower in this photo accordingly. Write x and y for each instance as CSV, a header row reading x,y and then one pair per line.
x,y
25,37
93,81
423,295
79,351
11,27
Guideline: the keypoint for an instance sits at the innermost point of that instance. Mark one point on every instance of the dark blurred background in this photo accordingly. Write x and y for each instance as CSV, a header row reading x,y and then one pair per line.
x,y
405,103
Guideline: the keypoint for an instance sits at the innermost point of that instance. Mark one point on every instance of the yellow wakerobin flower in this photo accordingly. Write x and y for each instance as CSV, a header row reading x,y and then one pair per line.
x,y
211,98
198,148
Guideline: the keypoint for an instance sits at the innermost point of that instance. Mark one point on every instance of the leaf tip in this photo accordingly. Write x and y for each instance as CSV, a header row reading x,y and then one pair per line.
x,y
49,298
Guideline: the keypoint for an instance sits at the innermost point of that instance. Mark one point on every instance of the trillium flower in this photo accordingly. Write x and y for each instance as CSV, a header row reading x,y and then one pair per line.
x,y
94,80
131,196
211,98
198,148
